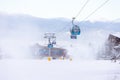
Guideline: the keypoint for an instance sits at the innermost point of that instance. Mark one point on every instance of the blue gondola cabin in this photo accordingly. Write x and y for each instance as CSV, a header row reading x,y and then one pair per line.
x,y
75,30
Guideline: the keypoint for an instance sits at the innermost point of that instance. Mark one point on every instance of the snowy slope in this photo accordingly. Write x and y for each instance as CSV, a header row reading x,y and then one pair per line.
x,y
19,32
58,70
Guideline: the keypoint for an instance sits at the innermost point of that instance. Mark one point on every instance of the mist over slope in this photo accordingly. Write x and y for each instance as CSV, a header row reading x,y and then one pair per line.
x,y
19,32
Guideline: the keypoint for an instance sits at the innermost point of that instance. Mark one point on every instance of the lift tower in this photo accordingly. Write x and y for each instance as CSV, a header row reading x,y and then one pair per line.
x,y
51,41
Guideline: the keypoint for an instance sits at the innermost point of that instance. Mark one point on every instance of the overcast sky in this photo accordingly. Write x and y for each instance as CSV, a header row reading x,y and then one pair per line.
x,y
62,8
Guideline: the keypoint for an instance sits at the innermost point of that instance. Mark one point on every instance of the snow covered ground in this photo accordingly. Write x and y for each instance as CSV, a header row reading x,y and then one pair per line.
x,y
18,34
59,70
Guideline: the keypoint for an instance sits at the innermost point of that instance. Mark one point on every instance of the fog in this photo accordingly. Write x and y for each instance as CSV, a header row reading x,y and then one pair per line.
x,y
19,33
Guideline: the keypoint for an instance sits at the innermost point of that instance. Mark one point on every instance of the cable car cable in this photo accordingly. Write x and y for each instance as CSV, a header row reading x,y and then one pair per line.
x,y
89,14
82,8
96,9
77,14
